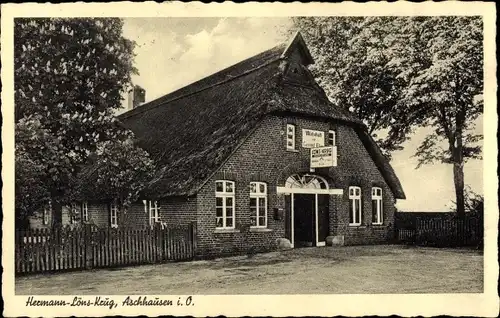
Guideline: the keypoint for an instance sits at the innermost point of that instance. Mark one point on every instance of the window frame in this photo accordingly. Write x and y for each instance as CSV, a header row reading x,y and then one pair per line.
x,y
85,211
156,209
292,147
353,197
259,195
224,195
379,216
332,138
113,207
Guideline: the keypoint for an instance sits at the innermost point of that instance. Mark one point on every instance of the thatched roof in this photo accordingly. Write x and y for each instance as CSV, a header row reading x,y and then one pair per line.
x,y
193,130
382,163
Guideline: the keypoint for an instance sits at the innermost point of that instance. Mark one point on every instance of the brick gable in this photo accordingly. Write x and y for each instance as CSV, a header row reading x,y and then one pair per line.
x,y
263,157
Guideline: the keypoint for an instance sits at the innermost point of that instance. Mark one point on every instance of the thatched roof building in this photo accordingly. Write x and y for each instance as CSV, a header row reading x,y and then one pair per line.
x,y
193,130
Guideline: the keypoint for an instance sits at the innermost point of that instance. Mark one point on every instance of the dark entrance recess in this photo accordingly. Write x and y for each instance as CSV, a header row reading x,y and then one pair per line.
x,y
304,222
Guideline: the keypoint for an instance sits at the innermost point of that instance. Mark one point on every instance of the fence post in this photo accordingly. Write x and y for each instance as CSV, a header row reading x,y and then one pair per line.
x,y
194,235
160,238
87,239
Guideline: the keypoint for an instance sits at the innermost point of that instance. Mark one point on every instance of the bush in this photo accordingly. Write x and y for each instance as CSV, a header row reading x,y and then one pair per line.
x,y
474,203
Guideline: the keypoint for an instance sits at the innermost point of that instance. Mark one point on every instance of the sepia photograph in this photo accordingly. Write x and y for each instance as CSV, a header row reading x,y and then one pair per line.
x,y
247,155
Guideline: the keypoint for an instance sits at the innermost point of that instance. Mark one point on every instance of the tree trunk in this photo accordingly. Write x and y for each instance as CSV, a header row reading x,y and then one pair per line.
x,y
458,167
458,178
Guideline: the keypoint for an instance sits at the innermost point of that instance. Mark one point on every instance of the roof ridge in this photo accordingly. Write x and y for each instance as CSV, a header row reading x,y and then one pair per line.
x,y
142,109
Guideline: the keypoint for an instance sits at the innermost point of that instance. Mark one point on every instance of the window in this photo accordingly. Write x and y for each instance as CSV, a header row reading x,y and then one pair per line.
x,y
377,207
85,212
113,214
355,211
290,137
153,212
224,204
73,213
306,181
331,138
258,204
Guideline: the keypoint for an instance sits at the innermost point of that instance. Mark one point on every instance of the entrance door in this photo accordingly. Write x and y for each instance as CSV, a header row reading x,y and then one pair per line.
x,y
306,209
304,221
323,218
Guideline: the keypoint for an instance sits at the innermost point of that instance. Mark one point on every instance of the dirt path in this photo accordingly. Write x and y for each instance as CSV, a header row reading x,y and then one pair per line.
x,y
362,269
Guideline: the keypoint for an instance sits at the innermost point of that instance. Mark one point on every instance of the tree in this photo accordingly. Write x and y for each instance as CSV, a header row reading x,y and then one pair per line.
x,y
474,203
399,73
447,90
69,77
352,56
118,169
36,159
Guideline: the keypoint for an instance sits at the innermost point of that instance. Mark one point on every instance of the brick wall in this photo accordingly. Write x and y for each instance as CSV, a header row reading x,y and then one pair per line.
x,y
356,168
173,211
242,239
98,213
178,210
263,157
134,216
36,220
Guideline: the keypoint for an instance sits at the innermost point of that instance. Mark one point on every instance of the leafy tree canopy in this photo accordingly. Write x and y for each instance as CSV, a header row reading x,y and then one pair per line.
x,y
400,73
70,75
118,169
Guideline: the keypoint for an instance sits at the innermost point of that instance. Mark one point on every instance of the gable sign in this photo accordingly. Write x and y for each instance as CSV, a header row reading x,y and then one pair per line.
x,y
312,138
322,157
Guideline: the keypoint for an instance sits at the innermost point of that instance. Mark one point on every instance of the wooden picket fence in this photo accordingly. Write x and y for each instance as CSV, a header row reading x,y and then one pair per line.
x,y
443,232
60,249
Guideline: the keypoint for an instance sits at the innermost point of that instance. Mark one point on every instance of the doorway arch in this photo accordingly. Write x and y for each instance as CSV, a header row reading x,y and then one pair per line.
x,y
306,181
307,208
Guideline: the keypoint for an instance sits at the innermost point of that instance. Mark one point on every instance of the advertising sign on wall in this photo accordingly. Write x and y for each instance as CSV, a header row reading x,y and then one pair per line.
x,y
322,157
312,138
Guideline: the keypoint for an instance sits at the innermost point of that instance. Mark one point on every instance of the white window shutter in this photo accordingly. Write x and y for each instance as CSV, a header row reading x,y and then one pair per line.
x,y
334,154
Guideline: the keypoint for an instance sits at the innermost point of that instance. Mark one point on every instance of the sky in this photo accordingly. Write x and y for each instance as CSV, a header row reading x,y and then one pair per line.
x,y
174,52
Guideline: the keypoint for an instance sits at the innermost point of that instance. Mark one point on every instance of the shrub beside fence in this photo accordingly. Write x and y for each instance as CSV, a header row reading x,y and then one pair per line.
x,y
441,231
48,250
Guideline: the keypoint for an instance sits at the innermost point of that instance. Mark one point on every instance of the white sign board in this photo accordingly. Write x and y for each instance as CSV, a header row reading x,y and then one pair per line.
x,y
312,138
322,157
